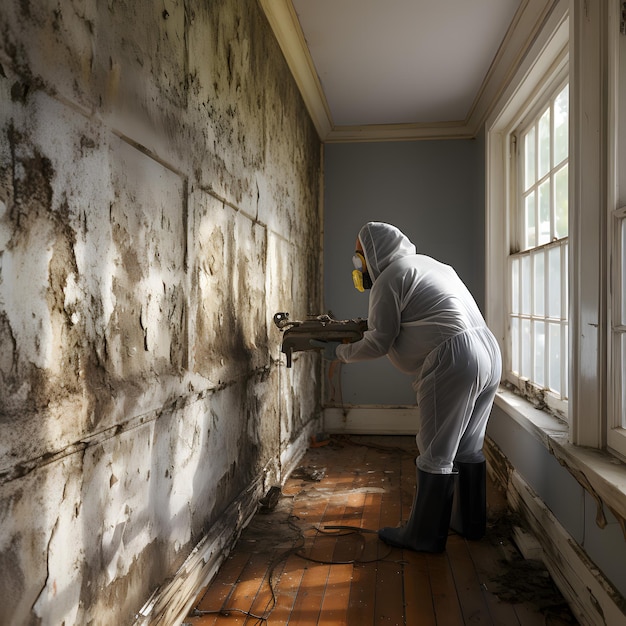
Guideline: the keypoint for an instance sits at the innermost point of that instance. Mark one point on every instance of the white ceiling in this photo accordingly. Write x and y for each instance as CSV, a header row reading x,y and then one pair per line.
x,y
364,63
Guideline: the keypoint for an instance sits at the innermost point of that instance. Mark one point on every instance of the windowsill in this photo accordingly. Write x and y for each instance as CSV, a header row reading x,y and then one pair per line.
x,y
600,473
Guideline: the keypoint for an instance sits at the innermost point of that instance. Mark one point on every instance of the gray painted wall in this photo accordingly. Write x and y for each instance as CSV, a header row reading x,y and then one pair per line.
x,y
431,190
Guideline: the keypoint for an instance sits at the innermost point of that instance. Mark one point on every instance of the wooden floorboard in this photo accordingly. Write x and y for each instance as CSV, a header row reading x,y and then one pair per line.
x,y
316,558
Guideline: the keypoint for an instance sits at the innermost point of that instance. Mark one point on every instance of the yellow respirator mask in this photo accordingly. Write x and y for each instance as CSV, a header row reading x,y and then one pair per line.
x,y
360,277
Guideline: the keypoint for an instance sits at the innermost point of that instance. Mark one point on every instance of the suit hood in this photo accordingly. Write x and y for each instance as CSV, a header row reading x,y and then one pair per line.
x,y
382,245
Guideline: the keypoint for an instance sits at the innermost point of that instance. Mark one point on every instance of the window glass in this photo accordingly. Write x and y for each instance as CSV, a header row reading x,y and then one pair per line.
x,y
554,282
529,222
622,414
515,353
538,316
539,283
622,315
526,370
525,285
560,202
539,348
544,144
515,284
544,213
554,353
529,153
561,128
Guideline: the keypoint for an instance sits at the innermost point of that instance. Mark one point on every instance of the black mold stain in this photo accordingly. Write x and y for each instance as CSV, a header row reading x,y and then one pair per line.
x,y
19,91
31,178
12,587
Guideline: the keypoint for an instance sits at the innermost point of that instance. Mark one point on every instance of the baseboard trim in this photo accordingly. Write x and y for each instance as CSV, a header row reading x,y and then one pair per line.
x,y
170,603
375,420
592,598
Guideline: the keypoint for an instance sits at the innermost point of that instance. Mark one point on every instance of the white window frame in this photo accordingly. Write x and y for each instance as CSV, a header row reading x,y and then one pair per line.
x,y
616,234
577,38
538,394
535,84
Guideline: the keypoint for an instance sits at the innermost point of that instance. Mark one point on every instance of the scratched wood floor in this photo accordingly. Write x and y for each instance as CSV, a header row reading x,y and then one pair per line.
x,y
314,557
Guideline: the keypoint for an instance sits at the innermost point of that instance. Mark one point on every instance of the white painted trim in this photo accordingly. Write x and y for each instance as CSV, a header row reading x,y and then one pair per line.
x,y
399,132
590,595
171,603
587,217
599,472
291,455
284,22
616,200
372,420
529,19
496,236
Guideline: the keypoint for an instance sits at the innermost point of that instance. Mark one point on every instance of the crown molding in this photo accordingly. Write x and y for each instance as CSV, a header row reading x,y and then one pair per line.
x,y
526,23
284,22
398,132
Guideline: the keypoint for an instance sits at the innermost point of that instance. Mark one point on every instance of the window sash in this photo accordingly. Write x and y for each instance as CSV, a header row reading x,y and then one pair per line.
x,y
540,207
538,325
537,338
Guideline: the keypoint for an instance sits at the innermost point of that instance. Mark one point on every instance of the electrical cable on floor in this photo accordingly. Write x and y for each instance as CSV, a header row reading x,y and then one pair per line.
x,y
352,530
296,551
285,555
227,612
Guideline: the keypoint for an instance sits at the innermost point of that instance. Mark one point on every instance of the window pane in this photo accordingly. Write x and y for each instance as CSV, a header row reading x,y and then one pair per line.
x,y
554,282
525,349
565,350
540,352
529,158
622,386
544,144
530,238
515,286
565,295
525,284
554,380
515,345
539,283
561,130
560,202
622,316
544,213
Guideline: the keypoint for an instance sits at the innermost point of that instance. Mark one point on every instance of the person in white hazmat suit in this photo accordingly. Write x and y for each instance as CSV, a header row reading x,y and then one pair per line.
x,y
423,317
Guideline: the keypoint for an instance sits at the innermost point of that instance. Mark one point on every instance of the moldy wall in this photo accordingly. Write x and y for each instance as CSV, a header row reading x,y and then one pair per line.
x,y
159,202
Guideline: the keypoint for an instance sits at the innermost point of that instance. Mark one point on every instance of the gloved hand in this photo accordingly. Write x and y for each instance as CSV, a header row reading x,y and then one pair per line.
x,y
328,348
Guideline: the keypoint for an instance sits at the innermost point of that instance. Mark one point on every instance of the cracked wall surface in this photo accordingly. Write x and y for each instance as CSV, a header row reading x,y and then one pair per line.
x,y
159,202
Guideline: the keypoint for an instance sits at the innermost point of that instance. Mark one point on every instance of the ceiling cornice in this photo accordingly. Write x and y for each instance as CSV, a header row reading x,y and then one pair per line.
x,y
284,22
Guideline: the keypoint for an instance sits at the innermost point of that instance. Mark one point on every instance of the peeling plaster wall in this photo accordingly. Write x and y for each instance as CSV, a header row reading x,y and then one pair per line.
x,y
159,202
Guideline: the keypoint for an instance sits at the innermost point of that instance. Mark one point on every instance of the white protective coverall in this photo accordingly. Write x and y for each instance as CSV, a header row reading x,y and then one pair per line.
x,y
423,317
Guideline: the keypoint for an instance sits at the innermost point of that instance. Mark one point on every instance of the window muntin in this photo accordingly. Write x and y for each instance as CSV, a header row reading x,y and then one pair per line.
x,y
538,324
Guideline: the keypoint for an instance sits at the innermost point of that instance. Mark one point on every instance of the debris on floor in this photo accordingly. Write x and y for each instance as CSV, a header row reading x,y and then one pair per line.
x,y
313,474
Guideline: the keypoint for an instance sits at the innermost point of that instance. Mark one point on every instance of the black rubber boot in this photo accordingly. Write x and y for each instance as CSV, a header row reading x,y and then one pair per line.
x,y
469,509
427,528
